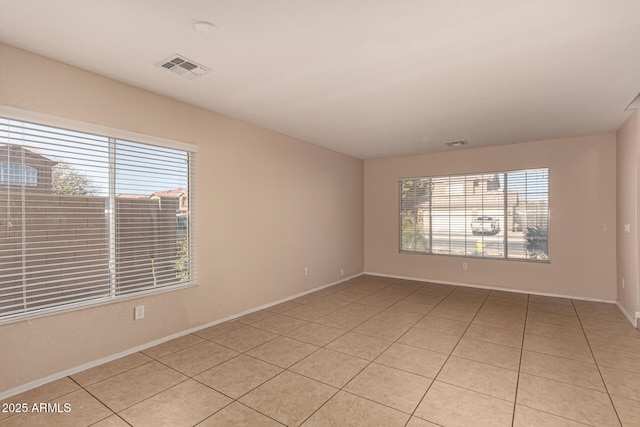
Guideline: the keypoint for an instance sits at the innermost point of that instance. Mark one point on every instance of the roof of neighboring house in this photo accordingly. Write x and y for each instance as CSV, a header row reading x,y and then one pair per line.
x,y
170,193
31,152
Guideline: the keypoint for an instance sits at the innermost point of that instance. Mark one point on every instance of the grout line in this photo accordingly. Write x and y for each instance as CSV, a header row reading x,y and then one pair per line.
x,y
598,366
524,331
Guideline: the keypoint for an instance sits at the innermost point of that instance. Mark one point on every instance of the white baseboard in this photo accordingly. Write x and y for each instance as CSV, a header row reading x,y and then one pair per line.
x,y
630,318
493,288
42,381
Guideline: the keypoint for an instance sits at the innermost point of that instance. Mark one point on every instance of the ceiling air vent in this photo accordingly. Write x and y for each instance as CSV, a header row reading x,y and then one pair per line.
x,y
457,143
184,67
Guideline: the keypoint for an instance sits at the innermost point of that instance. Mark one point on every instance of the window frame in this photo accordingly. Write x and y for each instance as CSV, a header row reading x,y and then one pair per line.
x,y
116,134
503,217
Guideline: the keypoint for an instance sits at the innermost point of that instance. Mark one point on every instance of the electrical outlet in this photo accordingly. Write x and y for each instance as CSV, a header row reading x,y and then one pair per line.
x,y
306,271
341,272
623,283
465,266
138,312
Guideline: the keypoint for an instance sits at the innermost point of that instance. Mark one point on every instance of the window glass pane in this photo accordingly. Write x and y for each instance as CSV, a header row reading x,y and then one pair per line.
x,y
488,215
415,195
151,216
528,214
54,232
85,217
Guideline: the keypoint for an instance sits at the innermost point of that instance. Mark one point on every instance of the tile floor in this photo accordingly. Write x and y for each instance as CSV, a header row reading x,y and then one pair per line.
x,y
373,352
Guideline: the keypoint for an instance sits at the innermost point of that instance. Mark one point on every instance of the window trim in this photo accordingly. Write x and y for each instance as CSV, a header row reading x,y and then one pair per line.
x,y
430,237
78,126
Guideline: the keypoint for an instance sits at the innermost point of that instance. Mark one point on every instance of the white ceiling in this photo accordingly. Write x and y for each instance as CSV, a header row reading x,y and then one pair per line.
x,y
369,78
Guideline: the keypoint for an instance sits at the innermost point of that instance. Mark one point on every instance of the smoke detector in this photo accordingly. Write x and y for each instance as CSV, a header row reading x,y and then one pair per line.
x,y
183,67
457,143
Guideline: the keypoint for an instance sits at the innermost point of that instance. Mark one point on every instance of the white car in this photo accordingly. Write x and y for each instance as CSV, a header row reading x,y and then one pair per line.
x,y
485,225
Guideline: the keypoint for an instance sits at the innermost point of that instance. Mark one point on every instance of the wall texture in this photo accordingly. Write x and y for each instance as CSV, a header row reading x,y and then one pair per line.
x,y
628,187
267,206
583,217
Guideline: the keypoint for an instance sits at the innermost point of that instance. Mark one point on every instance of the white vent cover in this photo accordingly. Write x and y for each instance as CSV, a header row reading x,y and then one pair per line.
x,y
184,67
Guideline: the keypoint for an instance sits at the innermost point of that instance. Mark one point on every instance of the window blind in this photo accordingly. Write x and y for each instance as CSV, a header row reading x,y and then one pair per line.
x,y
90,218
488,215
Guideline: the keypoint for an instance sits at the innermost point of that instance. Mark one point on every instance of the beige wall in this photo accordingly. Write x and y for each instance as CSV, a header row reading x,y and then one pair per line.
x,y
267,205
628,187
583,217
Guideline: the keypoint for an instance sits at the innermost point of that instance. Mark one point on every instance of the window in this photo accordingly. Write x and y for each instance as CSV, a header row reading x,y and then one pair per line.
x,y
488,215
17,174
110,218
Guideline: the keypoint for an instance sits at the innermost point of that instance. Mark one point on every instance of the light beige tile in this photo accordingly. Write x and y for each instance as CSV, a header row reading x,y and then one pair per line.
x,y
245,338
185,404
419,422
282,351
628,410
614,358
480,377
448,405
501,336
529,417
314,333
307,299
609,327
412,307
399,317
555,331
109,369
552,307
255,317
112,421
568,371
558,347
505,321
133,386
389,386
380,329
289,398
362,346
330,367
306,312
198,358
445,326
172,346
381,301
347,410
619,342
44,393
501,306
282,307
492,354
361,310
462,314
350,295
238,376
340,320
328,303
413,359
425,297
622,383
544,299
559,319
279,324
217,330
429,340
565,400
238,415
83,410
